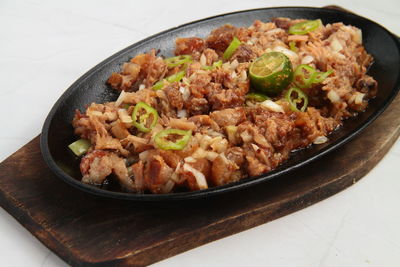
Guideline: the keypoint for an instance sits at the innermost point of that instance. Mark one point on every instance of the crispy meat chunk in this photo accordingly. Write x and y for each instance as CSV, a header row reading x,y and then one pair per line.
x,y
220,38
188,46
230,116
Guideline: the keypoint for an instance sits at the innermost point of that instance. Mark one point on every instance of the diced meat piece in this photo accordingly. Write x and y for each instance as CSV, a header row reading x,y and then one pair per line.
x,y
171,158
97,165
226,99
220,38
119,130
182,124
131,69
188,46
249,132
156,174
224,171
137,171
174,95
204,120
202,170
147,96
230,116
367,85
243,53
197,106
255,167
283,23
236,154
198,83
211,56
139,144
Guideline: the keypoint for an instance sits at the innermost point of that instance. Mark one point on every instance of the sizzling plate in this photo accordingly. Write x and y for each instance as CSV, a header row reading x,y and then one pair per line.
x,y
57,131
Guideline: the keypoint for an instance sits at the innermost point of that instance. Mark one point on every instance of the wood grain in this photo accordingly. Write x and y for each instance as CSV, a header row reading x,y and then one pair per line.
x,y
86,230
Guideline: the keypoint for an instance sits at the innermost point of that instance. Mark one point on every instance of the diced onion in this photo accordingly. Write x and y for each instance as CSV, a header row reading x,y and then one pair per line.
x,y
289,53
307,59
320,140
181,113
185,93
203,60
143,155
211,155
358,98
190,159
333,96
234,64
123,116
142,86
200,178
336,45
120,99
272,106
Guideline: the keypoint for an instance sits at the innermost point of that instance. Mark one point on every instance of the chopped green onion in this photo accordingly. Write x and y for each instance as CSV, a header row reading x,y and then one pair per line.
x,y
158,85
293,47
178,60
305,27
80,147
162,142
173,78
176,77
140,119
216,64
297,97
231,48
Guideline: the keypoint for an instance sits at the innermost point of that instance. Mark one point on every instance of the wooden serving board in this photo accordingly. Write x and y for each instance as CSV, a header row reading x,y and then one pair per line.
x,y
86,230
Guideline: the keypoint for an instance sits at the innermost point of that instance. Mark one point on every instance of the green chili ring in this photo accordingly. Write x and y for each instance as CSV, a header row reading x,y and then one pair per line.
x,y
304,75
141,124
294,101
179,144
321,76
304,27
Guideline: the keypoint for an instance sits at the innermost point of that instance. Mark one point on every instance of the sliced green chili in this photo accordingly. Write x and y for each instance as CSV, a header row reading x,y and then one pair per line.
x,y
297,97
321,76
80,147
178,60
257,97
162,142
216,64
140,118
305,76
293,47
232,48
304,27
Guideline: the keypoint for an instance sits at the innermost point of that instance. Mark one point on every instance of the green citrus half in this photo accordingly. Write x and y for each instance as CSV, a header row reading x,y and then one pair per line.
x,y
271,73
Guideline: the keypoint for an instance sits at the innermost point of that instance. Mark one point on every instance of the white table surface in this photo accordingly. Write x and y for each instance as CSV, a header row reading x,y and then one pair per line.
x,y
46,45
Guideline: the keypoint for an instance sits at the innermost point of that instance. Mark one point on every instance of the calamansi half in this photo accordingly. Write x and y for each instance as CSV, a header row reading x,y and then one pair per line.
x,y
271,73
